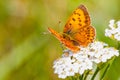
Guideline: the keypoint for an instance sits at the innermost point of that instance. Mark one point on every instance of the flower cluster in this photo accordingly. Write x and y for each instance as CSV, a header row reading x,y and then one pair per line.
x,y
83,60
100,52
114,30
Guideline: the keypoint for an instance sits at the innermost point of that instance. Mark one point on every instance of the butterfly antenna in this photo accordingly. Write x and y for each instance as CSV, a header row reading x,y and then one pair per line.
x,y
62,46
59,25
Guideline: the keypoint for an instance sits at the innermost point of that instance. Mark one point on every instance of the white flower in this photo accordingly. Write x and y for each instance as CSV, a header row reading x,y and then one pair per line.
x,y
72,63
111,23
108,33
101,52
114,30
63,67
117,36
118,23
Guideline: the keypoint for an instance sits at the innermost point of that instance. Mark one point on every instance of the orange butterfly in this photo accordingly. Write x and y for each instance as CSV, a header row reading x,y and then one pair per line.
x,y
77,31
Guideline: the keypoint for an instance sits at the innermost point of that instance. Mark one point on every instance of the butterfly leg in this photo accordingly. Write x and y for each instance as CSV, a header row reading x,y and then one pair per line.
x,y
61,45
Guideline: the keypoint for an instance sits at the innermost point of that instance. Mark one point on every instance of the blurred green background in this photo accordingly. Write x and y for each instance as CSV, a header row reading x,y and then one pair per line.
x,y
27,50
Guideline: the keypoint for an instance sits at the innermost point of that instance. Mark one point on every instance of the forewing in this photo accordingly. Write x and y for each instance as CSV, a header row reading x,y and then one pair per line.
x,y
80,18
78,27
66,41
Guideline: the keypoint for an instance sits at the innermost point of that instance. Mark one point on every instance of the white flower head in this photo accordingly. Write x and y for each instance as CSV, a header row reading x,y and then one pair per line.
x,y
102,52
114,30
111,23
72,63
118,23
83,60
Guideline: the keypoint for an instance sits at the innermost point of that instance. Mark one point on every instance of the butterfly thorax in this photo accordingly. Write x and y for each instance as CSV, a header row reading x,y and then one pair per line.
x,y
69,38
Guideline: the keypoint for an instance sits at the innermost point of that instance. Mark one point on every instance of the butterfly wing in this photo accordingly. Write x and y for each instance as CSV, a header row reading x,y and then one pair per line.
x,y
64,40
78,26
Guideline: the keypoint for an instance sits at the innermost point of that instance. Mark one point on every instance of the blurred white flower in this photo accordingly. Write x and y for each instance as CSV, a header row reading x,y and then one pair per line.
x,y
111,24
114,30
72,63
117,36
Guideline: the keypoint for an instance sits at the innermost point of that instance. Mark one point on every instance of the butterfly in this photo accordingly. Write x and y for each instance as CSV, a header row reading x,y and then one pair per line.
x,y
77,31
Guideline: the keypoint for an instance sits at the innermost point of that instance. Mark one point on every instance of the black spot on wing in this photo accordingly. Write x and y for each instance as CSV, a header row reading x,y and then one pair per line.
x,y
73,19
79,24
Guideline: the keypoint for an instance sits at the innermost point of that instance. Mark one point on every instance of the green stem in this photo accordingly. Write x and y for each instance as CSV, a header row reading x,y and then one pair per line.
x,y
108,66
97,70
86,75
71,78
81,77
118,46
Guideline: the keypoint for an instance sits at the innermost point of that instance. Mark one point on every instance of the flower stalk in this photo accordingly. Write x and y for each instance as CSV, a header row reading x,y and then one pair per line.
x,y
96,71
105,71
